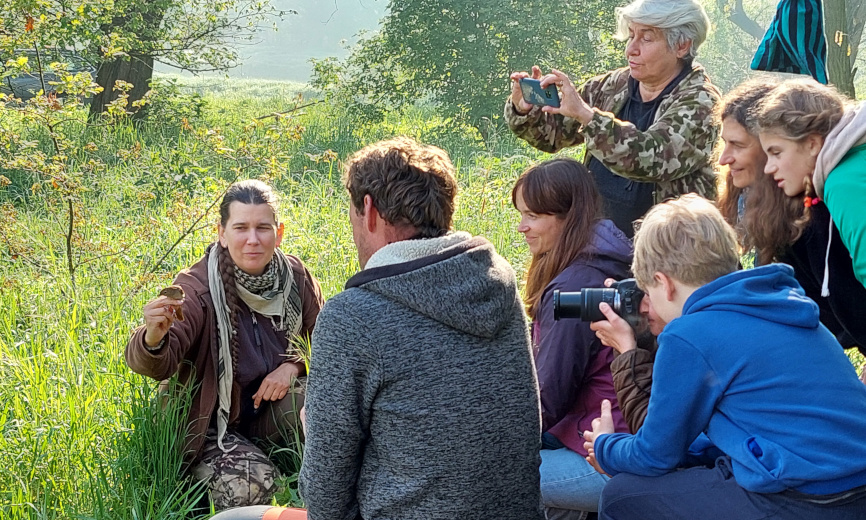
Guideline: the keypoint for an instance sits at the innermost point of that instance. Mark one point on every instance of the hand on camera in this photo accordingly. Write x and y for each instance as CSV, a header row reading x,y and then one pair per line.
x,y
614,331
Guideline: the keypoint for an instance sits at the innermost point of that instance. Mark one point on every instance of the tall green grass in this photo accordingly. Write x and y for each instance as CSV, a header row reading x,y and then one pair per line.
x,y
81,437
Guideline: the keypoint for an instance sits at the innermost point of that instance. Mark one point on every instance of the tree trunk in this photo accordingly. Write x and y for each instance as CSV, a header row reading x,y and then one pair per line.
x,y
137,70
856,14
840,46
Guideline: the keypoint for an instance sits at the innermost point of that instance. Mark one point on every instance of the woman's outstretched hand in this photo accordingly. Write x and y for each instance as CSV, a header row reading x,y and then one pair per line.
x,y
159,314
570,102
521,106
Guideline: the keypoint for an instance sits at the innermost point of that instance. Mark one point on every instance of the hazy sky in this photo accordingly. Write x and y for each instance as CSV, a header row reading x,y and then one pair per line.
x,y
315,32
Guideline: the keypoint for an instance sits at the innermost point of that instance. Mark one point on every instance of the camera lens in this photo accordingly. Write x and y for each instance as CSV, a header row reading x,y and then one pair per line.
x,y
591,299
583,304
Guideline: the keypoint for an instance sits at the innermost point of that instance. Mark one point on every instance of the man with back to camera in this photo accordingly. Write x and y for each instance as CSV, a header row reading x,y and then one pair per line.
x,y
744,359
422,401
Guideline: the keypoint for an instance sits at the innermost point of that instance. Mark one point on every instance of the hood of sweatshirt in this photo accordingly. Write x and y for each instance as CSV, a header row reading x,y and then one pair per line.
x,y
609,250
457,280
848,133
769,292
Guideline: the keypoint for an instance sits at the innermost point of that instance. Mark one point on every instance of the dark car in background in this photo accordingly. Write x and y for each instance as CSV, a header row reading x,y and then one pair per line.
x,y
25,86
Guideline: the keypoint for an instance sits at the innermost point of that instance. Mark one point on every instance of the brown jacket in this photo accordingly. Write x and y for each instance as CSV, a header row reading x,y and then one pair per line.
x,y
190,350
632,380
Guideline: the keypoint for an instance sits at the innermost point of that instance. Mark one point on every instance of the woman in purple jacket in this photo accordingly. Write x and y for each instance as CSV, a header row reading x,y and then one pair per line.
x,y
572,248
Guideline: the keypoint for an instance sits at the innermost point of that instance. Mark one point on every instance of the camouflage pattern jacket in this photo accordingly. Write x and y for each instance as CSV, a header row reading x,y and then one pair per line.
x,y
676,151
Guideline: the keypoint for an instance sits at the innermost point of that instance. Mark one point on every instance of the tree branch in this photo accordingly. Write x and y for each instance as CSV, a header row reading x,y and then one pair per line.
x,y
737,15
69,231
187,232
280,114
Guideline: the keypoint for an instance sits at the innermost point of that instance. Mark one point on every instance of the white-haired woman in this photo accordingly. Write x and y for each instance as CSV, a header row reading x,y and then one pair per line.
x,y
648,127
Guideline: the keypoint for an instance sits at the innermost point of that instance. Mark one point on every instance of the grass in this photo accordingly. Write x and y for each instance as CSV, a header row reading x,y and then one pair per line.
x,y
81,437
80,434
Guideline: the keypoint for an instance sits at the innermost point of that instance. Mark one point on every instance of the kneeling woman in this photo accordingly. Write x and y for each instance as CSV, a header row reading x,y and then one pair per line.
x,y
244,306
572,248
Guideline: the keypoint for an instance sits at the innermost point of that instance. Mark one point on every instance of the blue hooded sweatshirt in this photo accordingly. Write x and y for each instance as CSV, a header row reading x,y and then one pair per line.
x,y
749,364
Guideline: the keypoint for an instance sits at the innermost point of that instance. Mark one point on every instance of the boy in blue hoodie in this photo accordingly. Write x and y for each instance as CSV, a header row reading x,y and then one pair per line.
x,y
743,359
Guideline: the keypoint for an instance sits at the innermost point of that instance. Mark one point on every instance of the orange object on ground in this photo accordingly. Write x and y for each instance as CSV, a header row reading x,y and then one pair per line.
x,y
283,513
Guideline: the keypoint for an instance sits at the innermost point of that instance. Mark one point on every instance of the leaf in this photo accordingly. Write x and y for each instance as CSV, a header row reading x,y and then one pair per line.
x,y
28,25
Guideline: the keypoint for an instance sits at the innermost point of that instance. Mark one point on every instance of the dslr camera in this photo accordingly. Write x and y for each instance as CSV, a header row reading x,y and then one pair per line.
x,y
623,297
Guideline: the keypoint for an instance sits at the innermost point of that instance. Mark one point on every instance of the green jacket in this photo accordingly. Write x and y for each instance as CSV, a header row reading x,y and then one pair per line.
x,y
676,152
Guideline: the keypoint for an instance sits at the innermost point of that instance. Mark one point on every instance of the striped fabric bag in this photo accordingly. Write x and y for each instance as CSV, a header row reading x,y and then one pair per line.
x,y
795,41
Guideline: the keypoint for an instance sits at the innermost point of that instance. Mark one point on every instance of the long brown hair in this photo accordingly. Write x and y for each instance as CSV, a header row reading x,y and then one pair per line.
x,y
794,110
246,192
739,105
564,188
772,220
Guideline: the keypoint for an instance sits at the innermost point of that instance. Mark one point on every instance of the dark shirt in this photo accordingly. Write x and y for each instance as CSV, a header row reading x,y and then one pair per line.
x,y
843,310
626,200
261,350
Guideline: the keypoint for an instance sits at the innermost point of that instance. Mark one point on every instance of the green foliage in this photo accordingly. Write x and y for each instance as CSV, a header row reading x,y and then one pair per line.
x,y
122,38
459,54
80,435
727,53
189,34
194,35
168,104
145,482
29,24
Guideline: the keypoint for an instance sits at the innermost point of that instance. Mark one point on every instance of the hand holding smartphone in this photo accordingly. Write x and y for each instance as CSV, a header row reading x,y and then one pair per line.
x,y
534,94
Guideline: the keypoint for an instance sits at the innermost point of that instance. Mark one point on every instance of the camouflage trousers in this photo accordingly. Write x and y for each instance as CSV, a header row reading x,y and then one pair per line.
x,y
245,475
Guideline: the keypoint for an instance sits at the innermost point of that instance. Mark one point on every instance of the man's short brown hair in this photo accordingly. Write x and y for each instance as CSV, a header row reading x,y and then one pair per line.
x,y
687,239
411,185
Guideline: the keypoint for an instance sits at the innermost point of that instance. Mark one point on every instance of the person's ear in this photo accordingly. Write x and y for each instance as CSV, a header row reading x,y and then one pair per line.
x,y
683,48
814,143
221,235
370,214
667,283
280,229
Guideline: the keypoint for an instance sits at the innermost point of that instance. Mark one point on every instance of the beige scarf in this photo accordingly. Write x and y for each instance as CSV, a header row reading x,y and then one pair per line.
x,y
274,294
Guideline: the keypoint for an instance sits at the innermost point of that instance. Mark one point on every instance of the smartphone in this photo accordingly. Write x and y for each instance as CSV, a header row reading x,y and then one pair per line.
x,y
535,95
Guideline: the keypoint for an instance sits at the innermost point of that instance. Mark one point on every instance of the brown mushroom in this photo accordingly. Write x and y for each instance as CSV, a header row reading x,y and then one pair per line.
x,y
175,292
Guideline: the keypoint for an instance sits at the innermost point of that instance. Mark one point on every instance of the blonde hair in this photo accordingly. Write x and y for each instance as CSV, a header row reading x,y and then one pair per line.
x,y
799,108
687,239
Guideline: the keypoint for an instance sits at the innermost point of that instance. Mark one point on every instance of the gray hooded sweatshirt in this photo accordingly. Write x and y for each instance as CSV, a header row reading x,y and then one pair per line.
x,y
422,401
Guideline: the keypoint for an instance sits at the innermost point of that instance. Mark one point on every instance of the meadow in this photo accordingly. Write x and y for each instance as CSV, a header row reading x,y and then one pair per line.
x,y
81,436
